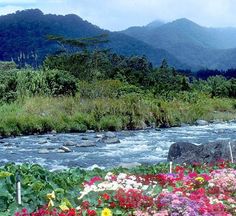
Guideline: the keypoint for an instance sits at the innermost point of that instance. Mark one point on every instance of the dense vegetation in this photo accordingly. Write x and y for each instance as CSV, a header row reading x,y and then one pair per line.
x,y
101,90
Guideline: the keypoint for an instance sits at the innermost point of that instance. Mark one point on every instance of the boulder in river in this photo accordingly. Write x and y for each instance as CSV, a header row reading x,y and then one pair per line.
x,y
69,143
100,136
90,131
53,132
110,138
109,134
42,142
65,149
184,152
86,144
201,122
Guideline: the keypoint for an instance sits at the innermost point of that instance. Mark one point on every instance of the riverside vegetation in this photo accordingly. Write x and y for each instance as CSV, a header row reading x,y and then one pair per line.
x,y
99,90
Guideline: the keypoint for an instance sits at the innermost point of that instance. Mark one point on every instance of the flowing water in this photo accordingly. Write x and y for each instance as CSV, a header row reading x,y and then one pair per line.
x,y
145,147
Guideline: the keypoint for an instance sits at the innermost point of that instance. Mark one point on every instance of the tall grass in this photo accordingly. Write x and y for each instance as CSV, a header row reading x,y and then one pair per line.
x,y
76,114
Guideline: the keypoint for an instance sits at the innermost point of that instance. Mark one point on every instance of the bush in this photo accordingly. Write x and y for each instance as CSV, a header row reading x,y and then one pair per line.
x,y
110,123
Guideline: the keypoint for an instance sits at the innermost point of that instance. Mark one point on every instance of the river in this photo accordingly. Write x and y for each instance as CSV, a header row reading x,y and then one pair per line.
x,y
144,147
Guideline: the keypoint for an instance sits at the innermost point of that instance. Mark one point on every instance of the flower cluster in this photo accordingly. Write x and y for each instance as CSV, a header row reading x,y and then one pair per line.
x,y
199,191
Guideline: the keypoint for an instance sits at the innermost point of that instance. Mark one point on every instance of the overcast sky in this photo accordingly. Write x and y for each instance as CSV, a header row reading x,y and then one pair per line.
x,y
121,14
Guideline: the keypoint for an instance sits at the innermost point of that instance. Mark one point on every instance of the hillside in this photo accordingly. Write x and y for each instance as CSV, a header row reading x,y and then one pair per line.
x,y
191,43
23,36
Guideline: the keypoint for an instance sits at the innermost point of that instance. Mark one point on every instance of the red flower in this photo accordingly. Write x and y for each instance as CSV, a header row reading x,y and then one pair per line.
x,y
112,205
91,212
192,174
105,196
85,204
99,202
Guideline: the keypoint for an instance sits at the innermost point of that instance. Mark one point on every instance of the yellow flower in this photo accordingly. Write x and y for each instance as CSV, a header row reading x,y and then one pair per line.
x,y
200,179
51,196
50,203
64,207
106,212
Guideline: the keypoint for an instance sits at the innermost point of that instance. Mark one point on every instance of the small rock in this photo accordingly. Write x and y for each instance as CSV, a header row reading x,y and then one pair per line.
x,y
51,138
84,138
217,121
157,129
42,142
65,149
90,131
142,126
53,132
201,123
153,125
109,134
69,143
1,141
111,140
100,136
43,151
89,144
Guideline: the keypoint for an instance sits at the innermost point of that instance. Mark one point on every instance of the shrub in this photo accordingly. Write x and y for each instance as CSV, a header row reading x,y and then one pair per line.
x,y
110,123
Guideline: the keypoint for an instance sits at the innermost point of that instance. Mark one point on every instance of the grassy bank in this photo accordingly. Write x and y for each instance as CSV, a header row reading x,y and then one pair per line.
x,y
131,111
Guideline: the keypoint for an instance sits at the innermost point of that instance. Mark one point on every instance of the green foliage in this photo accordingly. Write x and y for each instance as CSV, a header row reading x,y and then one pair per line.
x,y
216,86
27,83
60,83
111,123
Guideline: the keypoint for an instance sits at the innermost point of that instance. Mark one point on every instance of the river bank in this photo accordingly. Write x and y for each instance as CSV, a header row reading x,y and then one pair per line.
x,y
40,115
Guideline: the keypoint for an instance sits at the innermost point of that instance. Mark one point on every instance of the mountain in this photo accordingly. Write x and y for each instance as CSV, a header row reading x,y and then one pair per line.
x,y
192,44
23,38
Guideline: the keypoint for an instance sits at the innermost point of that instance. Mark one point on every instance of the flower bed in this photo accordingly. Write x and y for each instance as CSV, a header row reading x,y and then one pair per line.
x,y
191,191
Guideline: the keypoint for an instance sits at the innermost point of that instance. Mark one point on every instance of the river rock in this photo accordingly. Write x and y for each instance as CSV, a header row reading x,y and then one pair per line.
x,y
201,123
42,142
69,143
65,149
84,138
86,144
43,151
100,136
217,121
141,126
53,132
153,125
90,131
109,134
110,138
184,152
